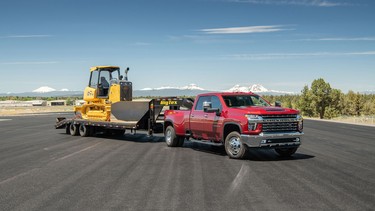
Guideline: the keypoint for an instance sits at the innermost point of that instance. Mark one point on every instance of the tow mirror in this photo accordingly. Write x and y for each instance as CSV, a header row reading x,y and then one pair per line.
x,y
207,107
277,104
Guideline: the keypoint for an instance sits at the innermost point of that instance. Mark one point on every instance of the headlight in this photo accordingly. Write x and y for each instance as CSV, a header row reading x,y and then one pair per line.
x,y
300,123
253,121
252,116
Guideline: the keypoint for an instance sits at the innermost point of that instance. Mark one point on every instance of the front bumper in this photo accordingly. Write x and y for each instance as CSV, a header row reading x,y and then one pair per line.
x,y
273,140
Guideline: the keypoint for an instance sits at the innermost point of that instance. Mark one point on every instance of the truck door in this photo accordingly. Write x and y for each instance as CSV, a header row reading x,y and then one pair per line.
x,y
213,121
198,119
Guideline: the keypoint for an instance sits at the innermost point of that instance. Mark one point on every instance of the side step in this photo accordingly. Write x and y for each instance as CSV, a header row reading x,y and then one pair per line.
x,y
206,142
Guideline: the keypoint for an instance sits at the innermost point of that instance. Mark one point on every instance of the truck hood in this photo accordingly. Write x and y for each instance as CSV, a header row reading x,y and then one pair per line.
x,y
258,110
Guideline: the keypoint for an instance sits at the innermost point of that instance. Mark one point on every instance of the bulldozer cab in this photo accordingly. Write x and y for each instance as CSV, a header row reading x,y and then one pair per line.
x,y
102,77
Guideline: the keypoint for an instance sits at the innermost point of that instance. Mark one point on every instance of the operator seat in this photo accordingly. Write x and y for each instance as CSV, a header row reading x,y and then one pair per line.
x,y
103,87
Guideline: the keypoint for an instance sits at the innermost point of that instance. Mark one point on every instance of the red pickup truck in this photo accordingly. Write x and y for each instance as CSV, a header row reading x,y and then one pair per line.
x,y
236,120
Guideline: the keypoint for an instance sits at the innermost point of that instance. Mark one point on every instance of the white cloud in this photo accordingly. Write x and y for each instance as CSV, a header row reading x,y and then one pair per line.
x,y
243,30
342,39
29,63
28,36
273,56
315,3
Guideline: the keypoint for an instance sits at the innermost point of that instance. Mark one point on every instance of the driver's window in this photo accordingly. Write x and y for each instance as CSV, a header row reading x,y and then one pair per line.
x,y
94,79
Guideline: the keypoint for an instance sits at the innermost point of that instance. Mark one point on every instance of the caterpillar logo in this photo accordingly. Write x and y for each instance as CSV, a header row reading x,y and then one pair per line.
x,y
168,102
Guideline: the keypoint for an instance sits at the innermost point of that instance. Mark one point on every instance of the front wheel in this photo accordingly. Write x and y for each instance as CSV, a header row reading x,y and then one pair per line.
x,y
286,152
172,139
234,147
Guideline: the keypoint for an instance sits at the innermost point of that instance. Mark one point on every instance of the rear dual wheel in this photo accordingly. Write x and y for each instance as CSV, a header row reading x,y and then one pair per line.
x,y
172,139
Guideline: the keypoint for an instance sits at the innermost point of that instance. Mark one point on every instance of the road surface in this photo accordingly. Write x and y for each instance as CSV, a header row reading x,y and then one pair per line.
x,y
44,169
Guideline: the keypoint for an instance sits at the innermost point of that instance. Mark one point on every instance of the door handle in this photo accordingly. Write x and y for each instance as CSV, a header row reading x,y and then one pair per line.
x,y
192,115
206,115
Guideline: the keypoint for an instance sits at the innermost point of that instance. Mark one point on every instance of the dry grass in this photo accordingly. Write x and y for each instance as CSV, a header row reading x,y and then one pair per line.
x,y
17,111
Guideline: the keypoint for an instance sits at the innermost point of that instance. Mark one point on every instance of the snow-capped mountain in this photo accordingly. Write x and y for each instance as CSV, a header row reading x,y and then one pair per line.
x,y
44,89
192,87
256,88
189,90
188,87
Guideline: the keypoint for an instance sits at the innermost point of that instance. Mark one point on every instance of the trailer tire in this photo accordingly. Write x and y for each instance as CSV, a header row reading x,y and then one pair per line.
x,y
73,129
234,147
171,138
286,152
84,130
67,129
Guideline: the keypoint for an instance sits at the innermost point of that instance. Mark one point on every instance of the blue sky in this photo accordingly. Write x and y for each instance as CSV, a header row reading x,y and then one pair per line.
x,y
216,44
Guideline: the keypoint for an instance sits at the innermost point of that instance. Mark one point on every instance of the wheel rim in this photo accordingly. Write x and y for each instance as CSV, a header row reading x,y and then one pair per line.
x,y
72,128
82,129
168,136
234,145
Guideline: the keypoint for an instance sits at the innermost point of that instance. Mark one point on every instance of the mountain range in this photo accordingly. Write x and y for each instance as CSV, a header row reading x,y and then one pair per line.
x,y
189,90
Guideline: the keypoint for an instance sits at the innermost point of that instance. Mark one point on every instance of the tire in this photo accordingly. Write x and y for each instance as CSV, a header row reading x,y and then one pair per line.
x,y
234,147
172,139
84,130
67,129
286,152
74,131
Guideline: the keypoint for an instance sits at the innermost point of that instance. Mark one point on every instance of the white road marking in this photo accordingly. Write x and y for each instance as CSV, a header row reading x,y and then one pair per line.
x,y
74,153
1,120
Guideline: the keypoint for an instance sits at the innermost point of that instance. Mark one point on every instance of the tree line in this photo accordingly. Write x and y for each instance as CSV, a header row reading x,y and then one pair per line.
x,y
322,101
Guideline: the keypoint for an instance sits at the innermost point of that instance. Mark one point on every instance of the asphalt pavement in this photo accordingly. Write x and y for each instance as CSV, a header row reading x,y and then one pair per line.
x,y
42,168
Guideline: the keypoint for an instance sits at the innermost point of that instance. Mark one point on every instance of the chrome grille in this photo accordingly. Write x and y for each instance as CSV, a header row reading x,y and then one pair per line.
x,y
279,126
278,116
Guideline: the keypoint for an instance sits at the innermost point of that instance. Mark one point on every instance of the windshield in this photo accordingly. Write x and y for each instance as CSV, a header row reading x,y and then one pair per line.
x,y
244,101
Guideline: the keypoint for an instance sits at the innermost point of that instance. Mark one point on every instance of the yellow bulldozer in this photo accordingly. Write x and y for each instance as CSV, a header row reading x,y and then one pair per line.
x,y
106,86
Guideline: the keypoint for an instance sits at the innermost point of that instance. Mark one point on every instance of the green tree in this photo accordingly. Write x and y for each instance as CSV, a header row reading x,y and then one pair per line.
x,y
321,96
354,103
335,107
305,102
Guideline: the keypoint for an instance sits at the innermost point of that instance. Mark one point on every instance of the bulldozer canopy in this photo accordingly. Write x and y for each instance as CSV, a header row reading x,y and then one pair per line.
x,y
109,68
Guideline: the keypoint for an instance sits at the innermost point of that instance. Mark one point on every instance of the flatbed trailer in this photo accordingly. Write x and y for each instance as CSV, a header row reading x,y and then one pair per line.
x,y
126,115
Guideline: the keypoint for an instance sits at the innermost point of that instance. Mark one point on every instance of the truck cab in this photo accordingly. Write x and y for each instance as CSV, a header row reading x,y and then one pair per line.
x,y
238,121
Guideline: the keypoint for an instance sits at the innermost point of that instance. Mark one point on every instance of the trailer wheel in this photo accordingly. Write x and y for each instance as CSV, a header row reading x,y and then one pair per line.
x,y
286,152
73,129
172,139
84,130
67,129
234,147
